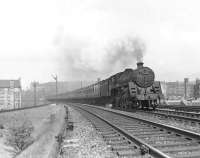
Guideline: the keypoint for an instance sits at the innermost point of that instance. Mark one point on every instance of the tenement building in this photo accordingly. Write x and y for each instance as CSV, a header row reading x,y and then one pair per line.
x,y
178,90
10,94
197,89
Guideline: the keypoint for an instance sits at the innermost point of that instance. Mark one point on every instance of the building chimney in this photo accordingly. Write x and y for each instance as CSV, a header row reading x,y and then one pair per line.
x,y
140,64
197,81
186,80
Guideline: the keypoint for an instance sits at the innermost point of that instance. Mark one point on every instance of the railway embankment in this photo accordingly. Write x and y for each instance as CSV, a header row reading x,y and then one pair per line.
x,y
43,125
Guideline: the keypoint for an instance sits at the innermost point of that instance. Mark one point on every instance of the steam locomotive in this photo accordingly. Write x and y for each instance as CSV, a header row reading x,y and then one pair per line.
x,y
129,89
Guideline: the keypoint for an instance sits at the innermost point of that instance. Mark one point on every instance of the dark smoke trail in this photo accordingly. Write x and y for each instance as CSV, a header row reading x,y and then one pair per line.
x,y
71,62
74,63
125,53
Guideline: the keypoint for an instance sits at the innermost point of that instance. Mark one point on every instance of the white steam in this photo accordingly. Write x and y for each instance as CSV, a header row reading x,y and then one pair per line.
x,y
80,60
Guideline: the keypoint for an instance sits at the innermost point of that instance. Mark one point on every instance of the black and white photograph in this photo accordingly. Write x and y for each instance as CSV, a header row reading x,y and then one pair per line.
x,y
99,79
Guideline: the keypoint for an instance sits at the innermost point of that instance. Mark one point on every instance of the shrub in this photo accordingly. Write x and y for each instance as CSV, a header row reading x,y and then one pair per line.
x,y
19,137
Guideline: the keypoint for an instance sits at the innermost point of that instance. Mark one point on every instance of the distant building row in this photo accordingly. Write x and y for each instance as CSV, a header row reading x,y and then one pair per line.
x,y
10,94
48,89
179,90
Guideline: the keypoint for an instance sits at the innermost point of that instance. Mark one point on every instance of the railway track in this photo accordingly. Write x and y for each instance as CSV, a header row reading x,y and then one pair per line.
x,y
176,115
184,108
181,113
184,120
159,139
118,141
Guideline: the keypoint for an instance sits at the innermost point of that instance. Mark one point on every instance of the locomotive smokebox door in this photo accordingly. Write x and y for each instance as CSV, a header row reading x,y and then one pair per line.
x,y
144,76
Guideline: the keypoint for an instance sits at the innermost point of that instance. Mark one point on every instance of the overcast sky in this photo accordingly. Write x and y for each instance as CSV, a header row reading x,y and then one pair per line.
x,y
37,36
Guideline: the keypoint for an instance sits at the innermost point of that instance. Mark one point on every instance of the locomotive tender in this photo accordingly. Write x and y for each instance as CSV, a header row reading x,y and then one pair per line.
x,y
125,90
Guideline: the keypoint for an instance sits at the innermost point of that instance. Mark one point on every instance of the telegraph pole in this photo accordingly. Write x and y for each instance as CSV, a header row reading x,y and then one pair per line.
x,y
35,97
56,79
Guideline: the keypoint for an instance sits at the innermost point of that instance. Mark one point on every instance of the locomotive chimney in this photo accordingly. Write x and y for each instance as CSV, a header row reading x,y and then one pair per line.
x,y
140,64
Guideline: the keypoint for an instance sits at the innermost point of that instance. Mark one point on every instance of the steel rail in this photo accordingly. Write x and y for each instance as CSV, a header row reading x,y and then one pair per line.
x,y
190,108
153,151
173,116
168,127
179,112
191,138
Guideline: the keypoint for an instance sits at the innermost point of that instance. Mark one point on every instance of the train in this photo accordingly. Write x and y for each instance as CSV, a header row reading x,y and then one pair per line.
x,y
130,89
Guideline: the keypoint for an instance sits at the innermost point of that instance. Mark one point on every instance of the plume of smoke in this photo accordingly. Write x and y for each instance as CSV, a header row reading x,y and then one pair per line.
x,y
124,53
76,63
73,61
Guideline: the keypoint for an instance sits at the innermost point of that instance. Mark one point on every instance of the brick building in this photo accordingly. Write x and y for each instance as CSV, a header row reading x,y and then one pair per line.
x,y
197,89
178,90
10,94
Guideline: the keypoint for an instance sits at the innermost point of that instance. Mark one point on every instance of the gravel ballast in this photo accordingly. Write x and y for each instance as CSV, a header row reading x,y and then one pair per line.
x,y
84,141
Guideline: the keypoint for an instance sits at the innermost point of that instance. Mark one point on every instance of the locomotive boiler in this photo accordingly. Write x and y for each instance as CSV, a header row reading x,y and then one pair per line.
x,y
132,88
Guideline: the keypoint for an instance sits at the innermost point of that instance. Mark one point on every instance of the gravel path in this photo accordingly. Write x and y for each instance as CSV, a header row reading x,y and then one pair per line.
x,y
84,141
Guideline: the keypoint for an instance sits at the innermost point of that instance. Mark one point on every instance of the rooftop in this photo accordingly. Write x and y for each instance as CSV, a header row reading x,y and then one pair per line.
x,y
10,83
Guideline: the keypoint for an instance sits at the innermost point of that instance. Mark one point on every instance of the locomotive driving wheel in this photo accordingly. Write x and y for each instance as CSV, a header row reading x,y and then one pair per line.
x,y
154,104
145,104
